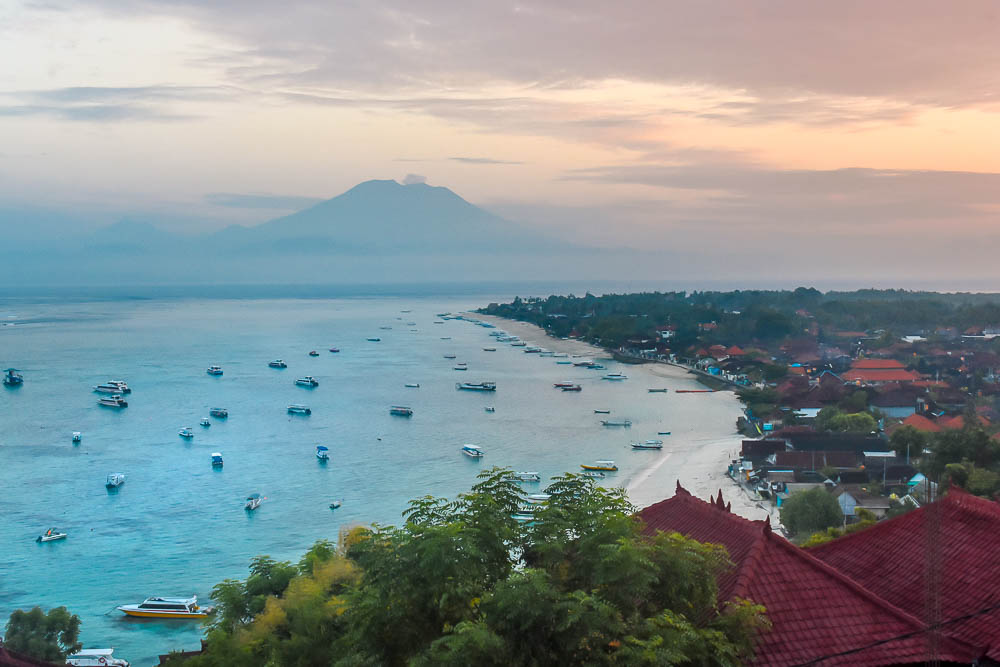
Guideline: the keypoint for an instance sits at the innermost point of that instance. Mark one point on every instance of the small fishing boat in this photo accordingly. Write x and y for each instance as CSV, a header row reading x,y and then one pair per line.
x,y
401,411
489,349
617,422
313,353
307,381
277,363
461,368
299,409
473,451
96,657
602,412
694,391
50,535
532,350
449,356
615,376
601,466
593,474
526,477
658,391
77,436
596,367
445,337
385,328
663,433
490,408
412,385
583,362
563,384
253,502
205,422
220,413
115,401
374,339
216,459
518,343
336,504
335,349
186,432
649,444
167,608
115,480
574,387
322,453
214,370
476,386
13,378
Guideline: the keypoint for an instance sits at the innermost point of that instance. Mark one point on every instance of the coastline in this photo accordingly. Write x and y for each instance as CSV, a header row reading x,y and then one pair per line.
x,y
698,451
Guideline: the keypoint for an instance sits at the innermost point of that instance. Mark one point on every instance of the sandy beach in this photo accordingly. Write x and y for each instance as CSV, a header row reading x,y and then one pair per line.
x,y
701,444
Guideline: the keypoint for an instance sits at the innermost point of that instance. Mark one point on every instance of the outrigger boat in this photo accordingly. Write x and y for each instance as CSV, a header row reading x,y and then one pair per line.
x,y
253,502
50,535
593,474
167,608
615,376
649,444
299,409
401,411
322,453
602,466
617,422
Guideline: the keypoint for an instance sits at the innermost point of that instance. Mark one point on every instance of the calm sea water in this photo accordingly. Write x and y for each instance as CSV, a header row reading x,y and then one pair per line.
x,y
177,526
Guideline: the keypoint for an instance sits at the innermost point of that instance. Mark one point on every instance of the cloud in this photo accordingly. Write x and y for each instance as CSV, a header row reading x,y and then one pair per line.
x,y
111,104
413,179
256,201
482,160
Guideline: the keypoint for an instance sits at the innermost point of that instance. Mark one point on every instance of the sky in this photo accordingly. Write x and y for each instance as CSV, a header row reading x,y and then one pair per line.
x,y
851,137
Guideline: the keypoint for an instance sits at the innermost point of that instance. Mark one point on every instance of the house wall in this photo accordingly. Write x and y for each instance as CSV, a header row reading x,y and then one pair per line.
x,y
898,413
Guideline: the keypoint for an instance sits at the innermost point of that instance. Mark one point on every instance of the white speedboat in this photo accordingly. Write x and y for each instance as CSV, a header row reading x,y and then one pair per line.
x,y
77,436
113,387
299,409
214,370
277,363
476,386
96,657
50,535
322,453
186,432
307,381
253,502
401,411
167,608
115,401
115,480
594,474
473,451
206,422
216,459
527,477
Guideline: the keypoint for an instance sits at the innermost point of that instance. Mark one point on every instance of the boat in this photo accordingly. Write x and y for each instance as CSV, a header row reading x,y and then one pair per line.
x,y
253,502
461,368
386,328
445,337
167,608
649,444
221,413
615,376
113,387
335,349
537,498
595,367
490,408
13,378
50,535
77,436
658,391
449,356
115,480
96,657
115,401
532,350
526,477
694,391
523,517
322,453
593,474
563,384
564,362
560,355
374,339
411,324
186,432
663,433
476,386
307,381
616,422
206,422
583,362
277,363
313,353
401,411
473,451
602,412
574,387
412,385
299,409
518,343
214,370
336,504
601,466
216,459
489,349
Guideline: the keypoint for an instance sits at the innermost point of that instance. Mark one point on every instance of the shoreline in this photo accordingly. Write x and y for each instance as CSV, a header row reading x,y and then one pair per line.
x,y
698,454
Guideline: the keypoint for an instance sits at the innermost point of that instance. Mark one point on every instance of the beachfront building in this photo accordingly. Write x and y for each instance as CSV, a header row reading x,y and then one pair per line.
x,y
827,605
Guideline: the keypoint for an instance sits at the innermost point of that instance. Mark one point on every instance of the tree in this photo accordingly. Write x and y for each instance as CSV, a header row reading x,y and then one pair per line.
x,y
50,636
855,422
908,442
811,511
970,443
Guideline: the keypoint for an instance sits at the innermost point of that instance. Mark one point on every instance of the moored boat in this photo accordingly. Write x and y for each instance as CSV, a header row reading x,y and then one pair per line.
x,y
322,453
476,386
663,433
253,502
167,608
473,451
335,349
489,349
564,383
115,401
50,535
115,480
113,387
573,387
336,504
649,444
374,339
214,370
602,412
205,423
277,363
96,657
461,368
526,477
657,391
13,378
187,432
593,474
299,409
77,436
537,498
221,413
401,411
307,381
449,356
604,465
412,385
313,353
490,408
616,422
615,376
217,459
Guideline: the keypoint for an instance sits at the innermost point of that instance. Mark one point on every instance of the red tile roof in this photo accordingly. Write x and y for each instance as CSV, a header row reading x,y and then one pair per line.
x,y
962,532
880,375
958,421
735,351
921,423
816,612
871,364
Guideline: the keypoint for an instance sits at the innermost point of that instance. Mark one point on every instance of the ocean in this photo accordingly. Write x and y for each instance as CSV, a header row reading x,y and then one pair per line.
x,y
177,526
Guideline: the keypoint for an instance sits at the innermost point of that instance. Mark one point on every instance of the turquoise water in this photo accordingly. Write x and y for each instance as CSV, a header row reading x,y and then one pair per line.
x,y
177,526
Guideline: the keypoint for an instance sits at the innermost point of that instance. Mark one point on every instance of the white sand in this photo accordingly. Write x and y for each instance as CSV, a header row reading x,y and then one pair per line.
x,y
702,441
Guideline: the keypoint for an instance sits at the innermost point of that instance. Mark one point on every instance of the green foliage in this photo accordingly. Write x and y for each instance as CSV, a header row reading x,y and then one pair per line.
x,y
773,372
760,402
856,402
970,444
908,441
50,636
812,511
462,583
832,533
832,419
